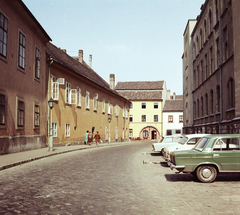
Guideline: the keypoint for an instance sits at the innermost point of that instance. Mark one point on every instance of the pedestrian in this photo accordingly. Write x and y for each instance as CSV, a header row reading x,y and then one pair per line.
x,y
97,138
86,138
90,137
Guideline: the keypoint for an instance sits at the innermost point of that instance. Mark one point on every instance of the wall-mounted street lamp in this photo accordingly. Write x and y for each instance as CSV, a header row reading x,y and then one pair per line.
x,y
50,139
109,137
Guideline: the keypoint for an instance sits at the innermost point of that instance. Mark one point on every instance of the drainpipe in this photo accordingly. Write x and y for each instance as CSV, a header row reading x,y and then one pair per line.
x,y
220,67
192,89
49,92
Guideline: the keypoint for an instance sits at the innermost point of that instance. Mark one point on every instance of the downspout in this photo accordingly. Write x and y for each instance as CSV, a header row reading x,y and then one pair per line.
x,y
220,67
192,88
49,82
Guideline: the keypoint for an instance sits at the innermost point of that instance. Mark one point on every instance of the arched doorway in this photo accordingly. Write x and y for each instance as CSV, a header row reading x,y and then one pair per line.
x,y
149,133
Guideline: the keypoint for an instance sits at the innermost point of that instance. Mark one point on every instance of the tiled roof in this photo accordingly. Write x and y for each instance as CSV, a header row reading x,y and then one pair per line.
x,y
140,85
141,95
75,66
173,105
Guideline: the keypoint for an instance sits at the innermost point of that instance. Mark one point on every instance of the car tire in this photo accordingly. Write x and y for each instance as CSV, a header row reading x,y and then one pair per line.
x,y
206,174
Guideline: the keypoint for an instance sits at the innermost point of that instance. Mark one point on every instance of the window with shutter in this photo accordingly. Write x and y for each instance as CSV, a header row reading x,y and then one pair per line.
x,y
73,96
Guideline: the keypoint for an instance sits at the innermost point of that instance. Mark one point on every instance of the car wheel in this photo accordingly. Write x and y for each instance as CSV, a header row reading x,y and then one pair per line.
x,y
206,174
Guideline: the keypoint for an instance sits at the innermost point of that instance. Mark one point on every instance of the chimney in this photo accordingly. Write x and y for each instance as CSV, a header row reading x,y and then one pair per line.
x,y
90,61
112,81
174,96
80,56
168,94
64,50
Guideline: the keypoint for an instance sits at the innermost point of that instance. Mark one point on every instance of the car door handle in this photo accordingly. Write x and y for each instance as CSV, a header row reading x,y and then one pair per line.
x,y
216,155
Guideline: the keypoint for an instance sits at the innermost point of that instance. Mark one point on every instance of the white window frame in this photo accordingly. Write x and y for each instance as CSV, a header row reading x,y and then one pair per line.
x,y
95,102
131,105
103,105
54,129
143,104
130,117
155,103
79,97
55,91
142,118
67,130
87,100
130,133
117,109
73,96
68,93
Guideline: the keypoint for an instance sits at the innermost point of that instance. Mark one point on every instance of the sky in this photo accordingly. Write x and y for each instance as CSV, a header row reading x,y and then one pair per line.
x,y
137,40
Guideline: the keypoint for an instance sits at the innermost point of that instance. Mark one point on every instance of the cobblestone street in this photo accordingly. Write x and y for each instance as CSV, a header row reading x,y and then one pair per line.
x,y
112,180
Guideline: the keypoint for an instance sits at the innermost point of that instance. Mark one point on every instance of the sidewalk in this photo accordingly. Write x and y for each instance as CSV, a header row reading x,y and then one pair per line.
x,y
14,159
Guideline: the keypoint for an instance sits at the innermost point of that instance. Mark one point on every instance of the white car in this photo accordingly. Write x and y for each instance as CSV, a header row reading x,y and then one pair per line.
x,y
166,141
187,142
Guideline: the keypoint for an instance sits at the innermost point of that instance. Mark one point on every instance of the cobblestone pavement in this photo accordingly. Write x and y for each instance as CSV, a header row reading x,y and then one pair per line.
x,y
112,181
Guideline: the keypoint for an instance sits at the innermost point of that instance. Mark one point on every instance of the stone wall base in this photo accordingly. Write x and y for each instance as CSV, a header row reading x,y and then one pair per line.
x,y
15,144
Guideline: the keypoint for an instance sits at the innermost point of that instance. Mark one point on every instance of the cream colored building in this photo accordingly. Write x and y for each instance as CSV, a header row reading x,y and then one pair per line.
x,y
145,116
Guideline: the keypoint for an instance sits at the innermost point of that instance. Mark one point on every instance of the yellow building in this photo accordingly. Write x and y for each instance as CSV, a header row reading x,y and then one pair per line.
x,y
83,101
147,97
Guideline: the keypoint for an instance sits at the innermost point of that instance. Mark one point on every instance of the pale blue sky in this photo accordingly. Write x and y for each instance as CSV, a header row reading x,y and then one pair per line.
x,y
137,40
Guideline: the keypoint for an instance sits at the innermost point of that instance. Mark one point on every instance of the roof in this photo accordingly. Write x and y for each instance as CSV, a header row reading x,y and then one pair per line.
x,y
140,85
74,65
173,105
141,95
30,19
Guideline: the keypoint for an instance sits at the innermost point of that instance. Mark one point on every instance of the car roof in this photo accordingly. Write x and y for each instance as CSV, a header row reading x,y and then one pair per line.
x,y
195,135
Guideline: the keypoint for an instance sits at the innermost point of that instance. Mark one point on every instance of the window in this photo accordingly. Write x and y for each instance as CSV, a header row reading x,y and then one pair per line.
x,y
37,63
170,118
20,114
103,105
143,118
211,101
87,100
67,130
95,101
55,91
131,106
21,54
178,131
218,98
79,97
155,118
36,116
206,103
155,105
144,106
130,133
68,93
54,129
109,107
3,35
2,109
117,109
231,93
180,118
131,118
169,132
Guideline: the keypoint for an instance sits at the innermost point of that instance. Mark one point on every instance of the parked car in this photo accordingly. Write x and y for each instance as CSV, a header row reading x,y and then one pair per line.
x,y
187,142
211,155
165,141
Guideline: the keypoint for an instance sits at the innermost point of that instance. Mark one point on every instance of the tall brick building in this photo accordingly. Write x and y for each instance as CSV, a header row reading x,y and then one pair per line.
x,y
211,69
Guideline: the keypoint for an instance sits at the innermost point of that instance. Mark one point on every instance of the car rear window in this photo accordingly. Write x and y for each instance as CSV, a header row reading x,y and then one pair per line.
x,y
201,144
